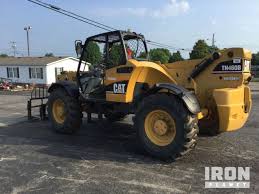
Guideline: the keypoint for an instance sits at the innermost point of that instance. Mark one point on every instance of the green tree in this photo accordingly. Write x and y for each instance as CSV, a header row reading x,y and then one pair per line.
x,y
212,49
3,55
255,64
176,57
160,54
200,50
115,54
49,55
92,54
255,59
166,51
142,55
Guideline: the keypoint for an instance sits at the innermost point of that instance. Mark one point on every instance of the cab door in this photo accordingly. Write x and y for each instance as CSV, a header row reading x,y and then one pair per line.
x,y
116,81
117,73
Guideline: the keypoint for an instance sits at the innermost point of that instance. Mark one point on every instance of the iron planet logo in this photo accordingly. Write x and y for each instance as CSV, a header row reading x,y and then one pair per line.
x,y
227,177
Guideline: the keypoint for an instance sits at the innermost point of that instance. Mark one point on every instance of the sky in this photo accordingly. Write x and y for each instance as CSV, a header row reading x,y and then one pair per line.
x,y
179,23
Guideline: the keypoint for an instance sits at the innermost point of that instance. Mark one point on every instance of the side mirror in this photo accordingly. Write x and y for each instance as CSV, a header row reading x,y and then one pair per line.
x,y
78,47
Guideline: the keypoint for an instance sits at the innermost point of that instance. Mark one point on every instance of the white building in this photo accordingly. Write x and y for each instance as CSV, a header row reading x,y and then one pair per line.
x,y
36,70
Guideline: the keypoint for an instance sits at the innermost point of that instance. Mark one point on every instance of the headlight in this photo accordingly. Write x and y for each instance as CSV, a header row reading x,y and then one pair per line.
x,y
247,66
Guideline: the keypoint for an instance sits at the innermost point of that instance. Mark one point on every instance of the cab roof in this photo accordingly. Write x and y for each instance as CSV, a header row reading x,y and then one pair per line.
x,y
115,36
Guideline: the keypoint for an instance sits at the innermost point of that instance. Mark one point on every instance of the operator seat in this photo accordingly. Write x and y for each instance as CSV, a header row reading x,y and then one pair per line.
x,y
92,80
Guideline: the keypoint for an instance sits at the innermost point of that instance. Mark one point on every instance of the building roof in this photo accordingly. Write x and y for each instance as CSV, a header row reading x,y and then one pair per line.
x,y
20,61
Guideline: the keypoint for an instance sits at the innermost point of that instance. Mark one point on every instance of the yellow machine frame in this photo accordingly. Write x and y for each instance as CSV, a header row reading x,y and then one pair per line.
x,y
226,92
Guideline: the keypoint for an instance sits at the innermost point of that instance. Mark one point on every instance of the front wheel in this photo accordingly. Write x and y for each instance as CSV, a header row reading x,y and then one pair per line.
x,y
64,112
165,128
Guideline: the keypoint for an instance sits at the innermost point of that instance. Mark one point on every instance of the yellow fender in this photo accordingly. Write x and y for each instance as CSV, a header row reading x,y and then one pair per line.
x,y
147,72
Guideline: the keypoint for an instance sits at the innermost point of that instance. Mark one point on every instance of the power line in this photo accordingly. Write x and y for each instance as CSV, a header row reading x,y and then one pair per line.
x,y
95,23
157,43
59,10
69,12
161,45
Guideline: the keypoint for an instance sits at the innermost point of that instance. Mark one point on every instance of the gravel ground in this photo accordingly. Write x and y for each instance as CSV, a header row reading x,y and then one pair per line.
x,y
104,158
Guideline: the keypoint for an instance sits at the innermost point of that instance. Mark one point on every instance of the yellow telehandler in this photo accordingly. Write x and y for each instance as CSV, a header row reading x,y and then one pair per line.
x,y
170,101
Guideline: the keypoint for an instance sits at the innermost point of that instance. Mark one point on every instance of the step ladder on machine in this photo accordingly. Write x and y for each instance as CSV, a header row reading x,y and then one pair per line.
x,y
38,99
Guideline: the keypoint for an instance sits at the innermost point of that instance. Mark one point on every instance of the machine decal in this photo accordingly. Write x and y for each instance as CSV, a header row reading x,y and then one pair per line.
x,y
237,60
119,88
231,78
233,66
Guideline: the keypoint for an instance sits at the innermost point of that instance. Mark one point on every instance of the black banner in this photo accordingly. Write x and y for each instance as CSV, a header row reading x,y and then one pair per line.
x,y
233,66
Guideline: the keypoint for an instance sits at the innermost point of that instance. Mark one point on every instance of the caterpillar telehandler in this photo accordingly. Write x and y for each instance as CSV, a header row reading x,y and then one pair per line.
x,y
170,101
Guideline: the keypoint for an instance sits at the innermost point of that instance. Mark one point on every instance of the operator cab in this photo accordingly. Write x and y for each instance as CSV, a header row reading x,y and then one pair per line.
x,y
106,51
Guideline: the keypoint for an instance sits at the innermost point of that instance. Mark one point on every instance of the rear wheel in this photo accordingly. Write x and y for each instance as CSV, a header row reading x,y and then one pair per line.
x,y
64,112
165,128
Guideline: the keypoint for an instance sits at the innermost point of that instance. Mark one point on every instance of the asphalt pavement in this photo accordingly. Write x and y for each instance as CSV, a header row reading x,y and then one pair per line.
x,y
104,158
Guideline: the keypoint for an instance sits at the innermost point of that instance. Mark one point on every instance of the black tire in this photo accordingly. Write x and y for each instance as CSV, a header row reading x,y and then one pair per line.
x,y
116,116
185,122
73,118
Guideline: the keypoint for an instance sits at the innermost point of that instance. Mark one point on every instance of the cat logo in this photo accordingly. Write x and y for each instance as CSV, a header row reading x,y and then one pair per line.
x,y
119,88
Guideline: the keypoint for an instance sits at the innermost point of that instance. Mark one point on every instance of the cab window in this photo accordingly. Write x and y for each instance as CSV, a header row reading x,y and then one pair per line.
x,y
116,55
135,48
94,53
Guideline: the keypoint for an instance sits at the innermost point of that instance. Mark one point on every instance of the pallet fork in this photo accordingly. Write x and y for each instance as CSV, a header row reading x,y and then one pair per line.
x,y
40,95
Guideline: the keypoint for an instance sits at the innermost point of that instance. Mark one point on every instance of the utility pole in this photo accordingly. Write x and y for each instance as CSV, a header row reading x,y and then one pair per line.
x,y
213,40
13,46
27,29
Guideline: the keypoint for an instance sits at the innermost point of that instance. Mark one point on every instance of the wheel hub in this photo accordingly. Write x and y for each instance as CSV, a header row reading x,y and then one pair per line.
x,y
160,127
58,111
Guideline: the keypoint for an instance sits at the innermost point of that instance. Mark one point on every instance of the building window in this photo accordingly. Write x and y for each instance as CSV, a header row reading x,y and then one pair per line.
x,y
36,72
13,72
59,70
